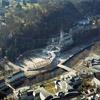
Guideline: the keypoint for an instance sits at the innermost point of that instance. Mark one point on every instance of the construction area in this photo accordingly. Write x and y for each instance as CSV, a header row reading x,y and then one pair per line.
x,y
42,74
82,60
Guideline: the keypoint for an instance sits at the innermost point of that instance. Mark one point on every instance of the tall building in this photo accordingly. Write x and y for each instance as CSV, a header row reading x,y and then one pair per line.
x,y
4,3
0,3
27,1
11,2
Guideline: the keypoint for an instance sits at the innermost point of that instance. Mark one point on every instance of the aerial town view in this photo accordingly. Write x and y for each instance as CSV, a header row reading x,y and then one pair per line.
x,y
49,49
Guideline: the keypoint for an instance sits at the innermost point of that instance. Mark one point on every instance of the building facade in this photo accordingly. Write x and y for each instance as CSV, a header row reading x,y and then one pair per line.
x,y
64,40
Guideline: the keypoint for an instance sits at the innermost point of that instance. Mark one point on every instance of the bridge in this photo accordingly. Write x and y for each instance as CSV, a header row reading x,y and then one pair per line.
x,y
60,65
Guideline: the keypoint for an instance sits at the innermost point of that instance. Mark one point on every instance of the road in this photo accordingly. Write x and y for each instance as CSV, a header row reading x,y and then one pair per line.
x,y
77,49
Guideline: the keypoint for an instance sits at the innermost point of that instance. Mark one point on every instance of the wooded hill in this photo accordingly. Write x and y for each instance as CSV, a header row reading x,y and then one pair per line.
x,y
29,26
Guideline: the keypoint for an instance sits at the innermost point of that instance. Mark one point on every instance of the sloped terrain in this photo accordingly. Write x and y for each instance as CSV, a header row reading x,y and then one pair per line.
x,y
30,27
78,63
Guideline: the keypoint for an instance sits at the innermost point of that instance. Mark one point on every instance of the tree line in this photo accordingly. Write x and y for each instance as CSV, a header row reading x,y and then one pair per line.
x,y
24,24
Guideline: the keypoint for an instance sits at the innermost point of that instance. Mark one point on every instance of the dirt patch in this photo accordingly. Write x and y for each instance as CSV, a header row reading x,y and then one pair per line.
x,y
77,62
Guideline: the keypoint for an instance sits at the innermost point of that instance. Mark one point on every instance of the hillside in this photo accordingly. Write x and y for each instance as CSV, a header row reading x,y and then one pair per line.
x,y
30,26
